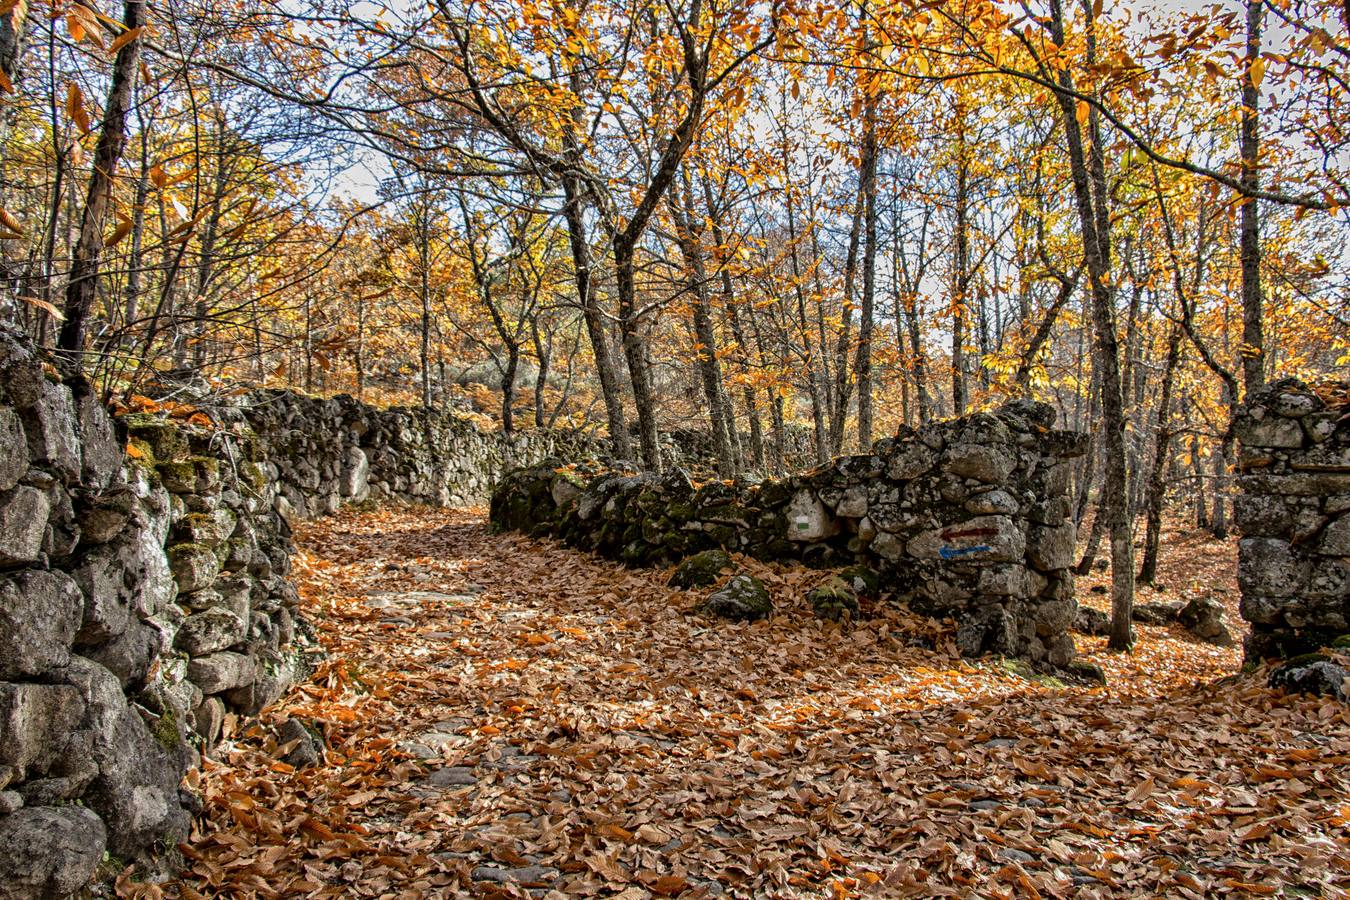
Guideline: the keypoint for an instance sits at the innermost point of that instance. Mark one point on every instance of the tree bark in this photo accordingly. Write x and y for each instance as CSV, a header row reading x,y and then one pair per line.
x,y
738,334
112,139
960,309
1249,241
1162,459
619,438
709,368
1089,182
635,353
863,363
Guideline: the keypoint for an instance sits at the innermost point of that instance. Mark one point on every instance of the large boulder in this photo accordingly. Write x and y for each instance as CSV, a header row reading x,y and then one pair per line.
x,y
221,672
13,449
809,520
194,566
210,630
51,425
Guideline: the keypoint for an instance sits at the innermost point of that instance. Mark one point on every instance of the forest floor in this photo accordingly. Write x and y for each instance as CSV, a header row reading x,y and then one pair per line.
x,y
508,717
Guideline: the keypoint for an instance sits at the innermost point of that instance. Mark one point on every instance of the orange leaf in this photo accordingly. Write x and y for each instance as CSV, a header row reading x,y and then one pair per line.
x,y
75,108
125,38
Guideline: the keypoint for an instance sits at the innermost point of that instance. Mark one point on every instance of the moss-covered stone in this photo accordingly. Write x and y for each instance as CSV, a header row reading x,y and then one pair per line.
x,y
834,599
163,437
179,476
194,566
743,599
165,731
864,581
208,529
701,569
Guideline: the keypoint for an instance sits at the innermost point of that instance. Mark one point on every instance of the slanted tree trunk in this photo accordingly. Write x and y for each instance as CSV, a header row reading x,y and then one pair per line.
x,y
84,270
135,258
842,385
359,353
210,232
737,333
635,353
13,36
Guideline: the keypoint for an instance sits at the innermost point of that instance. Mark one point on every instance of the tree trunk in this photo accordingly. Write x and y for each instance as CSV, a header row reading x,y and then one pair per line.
x,y
358,358
635,353
13,35
84,269
543,352
134,260
1089,182
509,387
709,369
960,309
1249,244
733,319
842,386
863,363
206,263
620,441
1162,460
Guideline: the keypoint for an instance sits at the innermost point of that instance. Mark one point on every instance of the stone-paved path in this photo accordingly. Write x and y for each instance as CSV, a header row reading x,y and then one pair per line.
x,y
507,717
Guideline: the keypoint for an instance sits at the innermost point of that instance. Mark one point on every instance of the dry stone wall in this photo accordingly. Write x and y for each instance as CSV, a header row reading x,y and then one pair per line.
x,y
968,518
143,596
1293,512
325,453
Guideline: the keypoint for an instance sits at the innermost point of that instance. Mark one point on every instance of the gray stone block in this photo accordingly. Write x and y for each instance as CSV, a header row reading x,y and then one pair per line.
x,y
48,852
24,512
40,612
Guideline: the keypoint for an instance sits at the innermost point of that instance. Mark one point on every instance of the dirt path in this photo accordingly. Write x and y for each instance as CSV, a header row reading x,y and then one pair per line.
x,y
506,717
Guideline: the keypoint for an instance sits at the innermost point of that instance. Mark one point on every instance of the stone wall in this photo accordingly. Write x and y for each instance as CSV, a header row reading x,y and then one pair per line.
x,y
967,518
322,454
1293,512
142,598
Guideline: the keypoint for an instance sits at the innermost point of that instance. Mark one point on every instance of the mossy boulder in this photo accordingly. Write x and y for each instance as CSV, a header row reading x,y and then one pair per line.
x,y
164,439
701,569
743,599
834,599
865,582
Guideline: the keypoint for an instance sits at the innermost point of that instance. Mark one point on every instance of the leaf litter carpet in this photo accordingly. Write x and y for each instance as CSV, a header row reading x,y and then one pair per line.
x,y
506,717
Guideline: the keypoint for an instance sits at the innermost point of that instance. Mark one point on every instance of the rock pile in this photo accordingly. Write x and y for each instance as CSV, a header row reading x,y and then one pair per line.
x,y
142,595
967,518
1294,516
